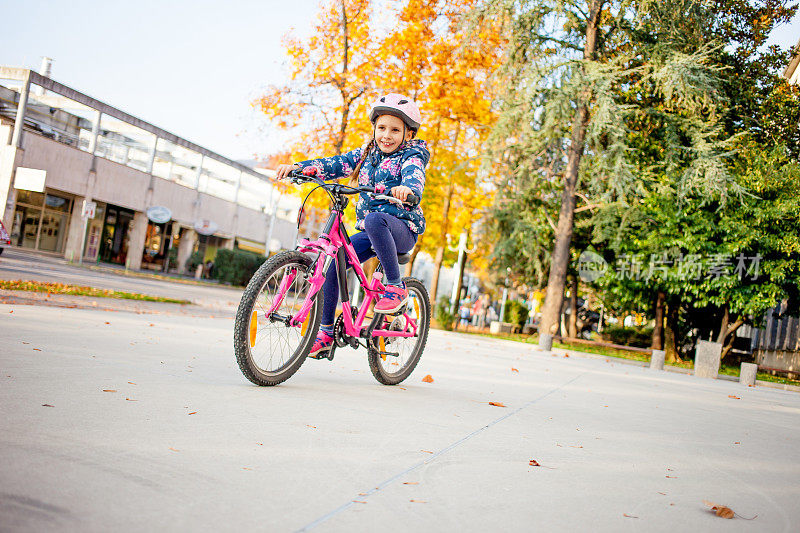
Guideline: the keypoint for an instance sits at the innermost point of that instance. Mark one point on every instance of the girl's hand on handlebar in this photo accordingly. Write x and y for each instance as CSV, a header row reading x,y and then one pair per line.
x,y
283,170
401,192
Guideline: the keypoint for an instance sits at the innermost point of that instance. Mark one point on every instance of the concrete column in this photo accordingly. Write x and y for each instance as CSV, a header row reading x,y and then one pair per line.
x,y
92,148
10,157
747,375
657,360
545,342
152,158
76,233
199,172
136,242
185,248
19,121
706,359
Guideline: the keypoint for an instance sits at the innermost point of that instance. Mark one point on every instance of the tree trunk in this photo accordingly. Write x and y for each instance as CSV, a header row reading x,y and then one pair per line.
x,y
437,266
729,346
658,328
443,235
559,259
723,327
671,331
572,327
726,331
461,268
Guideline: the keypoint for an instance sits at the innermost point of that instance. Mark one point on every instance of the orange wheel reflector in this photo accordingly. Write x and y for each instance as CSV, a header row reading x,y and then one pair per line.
x,y
253,328
416,308
382,345
304,326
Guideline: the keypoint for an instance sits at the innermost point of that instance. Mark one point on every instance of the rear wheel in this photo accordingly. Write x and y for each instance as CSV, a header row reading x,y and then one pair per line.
x,y
401,354
268,351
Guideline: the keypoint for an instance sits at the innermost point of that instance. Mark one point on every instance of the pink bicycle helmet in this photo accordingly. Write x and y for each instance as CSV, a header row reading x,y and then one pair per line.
x,y
398,105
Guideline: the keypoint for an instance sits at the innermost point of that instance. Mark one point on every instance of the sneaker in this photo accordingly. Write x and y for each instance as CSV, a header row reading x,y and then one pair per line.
x,y
322,343
393,300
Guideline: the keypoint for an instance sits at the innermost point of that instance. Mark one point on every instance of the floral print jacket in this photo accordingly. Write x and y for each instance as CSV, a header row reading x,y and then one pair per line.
x,y
406,166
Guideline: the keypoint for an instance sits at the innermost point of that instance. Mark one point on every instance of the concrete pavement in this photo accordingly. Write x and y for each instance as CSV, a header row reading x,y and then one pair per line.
x,y
184,442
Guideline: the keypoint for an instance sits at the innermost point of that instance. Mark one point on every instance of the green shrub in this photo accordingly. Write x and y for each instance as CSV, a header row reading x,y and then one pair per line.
x,y
236,266
194,260
442,314
516,313
639,336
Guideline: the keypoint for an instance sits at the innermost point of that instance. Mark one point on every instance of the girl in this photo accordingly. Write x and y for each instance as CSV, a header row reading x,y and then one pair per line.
x,y
397,160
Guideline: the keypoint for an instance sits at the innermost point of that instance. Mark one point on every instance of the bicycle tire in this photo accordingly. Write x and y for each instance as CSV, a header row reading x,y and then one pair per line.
x,y
245,337
377,364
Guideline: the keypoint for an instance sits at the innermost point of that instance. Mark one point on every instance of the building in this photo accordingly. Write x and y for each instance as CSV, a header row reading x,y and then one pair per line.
x,y
86,180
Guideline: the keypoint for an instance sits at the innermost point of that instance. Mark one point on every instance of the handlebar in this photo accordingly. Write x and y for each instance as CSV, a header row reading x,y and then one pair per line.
x,y
376,192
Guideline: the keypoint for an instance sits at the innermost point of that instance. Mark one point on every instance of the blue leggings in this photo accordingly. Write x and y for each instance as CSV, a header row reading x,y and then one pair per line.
x,y
385,236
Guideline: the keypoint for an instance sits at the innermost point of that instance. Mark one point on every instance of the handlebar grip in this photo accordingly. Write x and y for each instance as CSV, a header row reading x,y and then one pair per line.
x,y
412,200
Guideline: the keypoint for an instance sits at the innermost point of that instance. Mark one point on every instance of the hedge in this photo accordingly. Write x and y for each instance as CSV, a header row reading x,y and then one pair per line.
x,y
236,266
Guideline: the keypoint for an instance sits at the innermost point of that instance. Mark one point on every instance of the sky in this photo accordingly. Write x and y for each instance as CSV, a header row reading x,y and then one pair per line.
x,y
189,67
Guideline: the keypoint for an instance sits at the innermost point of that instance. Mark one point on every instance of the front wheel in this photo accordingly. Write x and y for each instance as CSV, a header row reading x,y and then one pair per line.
x,y
393,359
269,351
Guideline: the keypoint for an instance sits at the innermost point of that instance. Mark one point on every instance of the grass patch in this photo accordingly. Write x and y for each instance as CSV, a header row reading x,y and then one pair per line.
x,y
76,290
625,354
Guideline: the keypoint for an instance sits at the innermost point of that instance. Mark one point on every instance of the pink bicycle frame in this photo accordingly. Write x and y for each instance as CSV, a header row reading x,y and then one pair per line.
x,y
328,245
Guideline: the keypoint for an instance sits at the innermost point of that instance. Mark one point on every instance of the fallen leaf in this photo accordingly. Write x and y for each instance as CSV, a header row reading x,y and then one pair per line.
x,y
11,311
576,446
108,322
721,510
626,515
245,468
663,493
418,501
132,383
534,462
47,405
131,400
427,379
23,342
402,388
358,501
151,325
566,355
514,370
672,477
496,404
426,451
109,390
737,442
260,443
312,427
733,397
193,413
410,482
174,449
362,493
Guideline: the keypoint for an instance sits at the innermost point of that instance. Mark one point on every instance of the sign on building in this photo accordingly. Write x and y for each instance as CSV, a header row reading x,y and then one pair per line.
x,y
89,209
159,214
205,227
30,179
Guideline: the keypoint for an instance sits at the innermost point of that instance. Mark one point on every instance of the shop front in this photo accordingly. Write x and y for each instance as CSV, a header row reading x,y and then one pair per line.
x,y
41,220
117,226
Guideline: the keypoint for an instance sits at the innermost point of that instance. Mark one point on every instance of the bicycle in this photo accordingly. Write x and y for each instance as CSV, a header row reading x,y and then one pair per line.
x,y
280,311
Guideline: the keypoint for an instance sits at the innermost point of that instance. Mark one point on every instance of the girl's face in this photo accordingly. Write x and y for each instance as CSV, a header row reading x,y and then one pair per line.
x,y
389,133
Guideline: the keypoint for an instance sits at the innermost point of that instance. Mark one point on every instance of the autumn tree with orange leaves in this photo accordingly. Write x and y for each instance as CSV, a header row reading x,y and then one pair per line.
x,y
429,53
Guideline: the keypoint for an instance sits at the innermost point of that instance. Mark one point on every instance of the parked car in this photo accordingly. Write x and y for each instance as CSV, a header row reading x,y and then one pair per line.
x,y
5,240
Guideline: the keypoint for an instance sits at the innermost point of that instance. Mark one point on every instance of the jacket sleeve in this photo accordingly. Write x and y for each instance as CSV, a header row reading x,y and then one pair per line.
x,y
413,174
337,166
